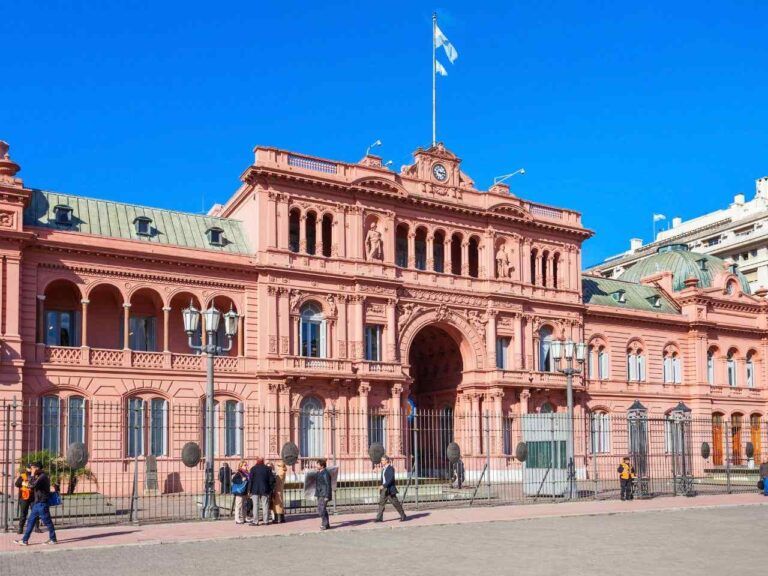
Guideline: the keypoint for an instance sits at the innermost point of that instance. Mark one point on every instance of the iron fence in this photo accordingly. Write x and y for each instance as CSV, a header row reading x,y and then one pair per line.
x,y
135,472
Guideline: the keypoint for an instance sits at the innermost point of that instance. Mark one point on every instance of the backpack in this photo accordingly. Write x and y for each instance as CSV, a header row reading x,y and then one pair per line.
x,y
238,488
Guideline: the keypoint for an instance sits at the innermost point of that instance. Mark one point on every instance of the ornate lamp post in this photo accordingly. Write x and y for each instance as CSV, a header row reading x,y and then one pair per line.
x,y
211,349
571,351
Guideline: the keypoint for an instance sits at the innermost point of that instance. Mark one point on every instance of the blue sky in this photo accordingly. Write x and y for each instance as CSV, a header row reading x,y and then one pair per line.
x,y
615,111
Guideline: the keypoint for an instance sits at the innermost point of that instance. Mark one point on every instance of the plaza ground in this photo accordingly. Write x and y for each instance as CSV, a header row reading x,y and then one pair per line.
x,y
704,535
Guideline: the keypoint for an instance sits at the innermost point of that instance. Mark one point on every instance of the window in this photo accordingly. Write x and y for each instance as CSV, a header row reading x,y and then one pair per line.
x,y
377,429
135,428
143,225
294,223
502,353
601,433
438,252
672,370
50,424
473,257
731,364
545,356
669,435
233,428
312,334
750,371
311,428
310,232
158,426
63,215
420,246
631,367
142,333
216,236
216,427
62,328
591,365
326,235
401,246
75,420
373,343
619,296
547,408
710,367
602,364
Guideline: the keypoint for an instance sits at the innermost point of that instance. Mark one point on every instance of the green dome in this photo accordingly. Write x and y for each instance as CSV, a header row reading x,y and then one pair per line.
x,y
683,264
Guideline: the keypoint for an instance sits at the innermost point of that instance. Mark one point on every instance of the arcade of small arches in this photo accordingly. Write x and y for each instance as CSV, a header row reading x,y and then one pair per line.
x,y
103,316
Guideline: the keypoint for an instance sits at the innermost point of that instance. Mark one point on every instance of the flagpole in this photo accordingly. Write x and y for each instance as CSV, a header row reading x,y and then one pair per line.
x,y
434,80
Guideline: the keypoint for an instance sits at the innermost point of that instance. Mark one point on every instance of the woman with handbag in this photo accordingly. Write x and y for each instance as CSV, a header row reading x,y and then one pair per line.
x,y
277,493
240,491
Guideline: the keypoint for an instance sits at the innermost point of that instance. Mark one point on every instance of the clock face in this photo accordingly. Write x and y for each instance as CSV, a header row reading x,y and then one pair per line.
x,y
439,172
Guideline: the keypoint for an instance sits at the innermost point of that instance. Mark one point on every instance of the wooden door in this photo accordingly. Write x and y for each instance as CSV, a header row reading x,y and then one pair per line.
x,y
717,439
736,452
754,435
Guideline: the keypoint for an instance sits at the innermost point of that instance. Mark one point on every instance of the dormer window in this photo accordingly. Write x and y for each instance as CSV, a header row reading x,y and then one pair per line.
x,y
215,236
63,215
655,301
733,268
619,296
702,262
143,225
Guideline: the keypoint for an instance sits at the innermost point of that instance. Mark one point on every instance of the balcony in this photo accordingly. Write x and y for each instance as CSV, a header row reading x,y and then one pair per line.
x,y
326,365
368,367
536,379
736,392
111,358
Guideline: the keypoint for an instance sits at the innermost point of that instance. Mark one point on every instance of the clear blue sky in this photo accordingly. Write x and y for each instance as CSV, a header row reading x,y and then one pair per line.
x,y
615,111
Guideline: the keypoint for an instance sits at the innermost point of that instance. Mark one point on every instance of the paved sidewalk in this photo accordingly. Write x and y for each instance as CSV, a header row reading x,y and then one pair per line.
x,y
128,535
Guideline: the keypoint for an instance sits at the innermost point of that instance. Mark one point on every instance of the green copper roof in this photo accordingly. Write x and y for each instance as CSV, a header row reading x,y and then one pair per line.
x,y
683,264
116,220
608,292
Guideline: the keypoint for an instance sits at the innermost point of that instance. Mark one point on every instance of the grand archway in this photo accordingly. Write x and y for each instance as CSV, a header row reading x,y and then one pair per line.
x,y
436,367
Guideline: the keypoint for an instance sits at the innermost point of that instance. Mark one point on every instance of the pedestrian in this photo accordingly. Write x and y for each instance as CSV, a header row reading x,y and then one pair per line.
x,y
626,477
388,490
240,491
25,498
323,492
278,505
259,486
225,478
40,484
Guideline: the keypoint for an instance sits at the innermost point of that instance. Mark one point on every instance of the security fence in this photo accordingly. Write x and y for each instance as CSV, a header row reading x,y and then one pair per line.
x,y
134,471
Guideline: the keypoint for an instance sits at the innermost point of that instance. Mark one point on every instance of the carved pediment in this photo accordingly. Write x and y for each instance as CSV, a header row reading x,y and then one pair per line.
x,y
513,210
376,184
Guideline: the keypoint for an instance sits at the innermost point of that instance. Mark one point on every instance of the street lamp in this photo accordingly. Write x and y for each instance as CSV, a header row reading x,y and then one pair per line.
x,y
211,348
570,351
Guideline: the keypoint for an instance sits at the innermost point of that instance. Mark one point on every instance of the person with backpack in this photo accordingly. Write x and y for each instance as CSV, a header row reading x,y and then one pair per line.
x,y
260,489
40,484
239,487
25,498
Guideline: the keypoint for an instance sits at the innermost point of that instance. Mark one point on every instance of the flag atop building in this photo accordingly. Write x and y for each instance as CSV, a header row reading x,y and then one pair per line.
x,y
439,39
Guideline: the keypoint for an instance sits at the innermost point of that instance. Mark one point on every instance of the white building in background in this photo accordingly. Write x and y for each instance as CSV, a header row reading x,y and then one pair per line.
x,y
738,233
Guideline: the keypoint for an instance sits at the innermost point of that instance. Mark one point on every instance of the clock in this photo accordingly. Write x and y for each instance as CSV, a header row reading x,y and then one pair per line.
x,y
439,172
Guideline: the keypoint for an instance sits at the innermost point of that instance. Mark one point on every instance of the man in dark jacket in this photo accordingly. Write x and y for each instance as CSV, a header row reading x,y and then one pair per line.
x,y
225,478
260,487
388,490
40,485
323,493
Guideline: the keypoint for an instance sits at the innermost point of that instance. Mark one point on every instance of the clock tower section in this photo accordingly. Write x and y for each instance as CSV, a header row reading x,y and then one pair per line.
x,y
438,165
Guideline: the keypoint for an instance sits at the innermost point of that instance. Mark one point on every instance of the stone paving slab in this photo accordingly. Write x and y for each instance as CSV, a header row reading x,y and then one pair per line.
x,y
154,534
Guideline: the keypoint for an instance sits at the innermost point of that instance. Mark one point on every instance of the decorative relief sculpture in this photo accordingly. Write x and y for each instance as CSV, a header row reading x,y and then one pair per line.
x,y
373,244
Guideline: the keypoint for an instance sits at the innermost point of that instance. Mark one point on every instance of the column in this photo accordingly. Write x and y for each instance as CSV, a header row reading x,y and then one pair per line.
x,y
465,258
411,249
476,419
241,335
319,235
303,233
295,320
489,255
391,332
127,325
494,399
525,395
41,319
517,324
272,220
12,300
166,328
447,254
430,252
343,336
284,407
490,338
529,344
550,271
540,263
525,264
362,390
396,445
357,328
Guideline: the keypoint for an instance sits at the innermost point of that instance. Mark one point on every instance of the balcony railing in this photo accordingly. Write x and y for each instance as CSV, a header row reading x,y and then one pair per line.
x,y
370,367
318,364
110,358
537,379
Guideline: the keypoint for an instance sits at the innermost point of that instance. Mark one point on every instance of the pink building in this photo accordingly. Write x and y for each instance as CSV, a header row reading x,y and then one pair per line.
x,y
361,291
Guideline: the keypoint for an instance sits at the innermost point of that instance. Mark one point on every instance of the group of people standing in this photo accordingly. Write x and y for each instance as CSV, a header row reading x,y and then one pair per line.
x,y
258,492
35,490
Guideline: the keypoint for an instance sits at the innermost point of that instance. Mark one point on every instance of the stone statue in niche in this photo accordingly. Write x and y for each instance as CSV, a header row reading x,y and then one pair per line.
x,y
373,244
504,265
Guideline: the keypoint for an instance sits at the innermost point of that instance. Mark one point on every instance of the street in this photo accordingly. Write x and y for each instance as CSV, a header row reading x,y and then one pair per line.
x,y
726,540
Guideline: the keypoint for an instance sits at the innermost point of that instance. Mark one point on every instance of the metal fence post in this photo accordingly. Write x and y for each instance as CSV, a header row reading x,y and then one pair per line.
x,y
7,472
333,449
416,454
728,458
488,451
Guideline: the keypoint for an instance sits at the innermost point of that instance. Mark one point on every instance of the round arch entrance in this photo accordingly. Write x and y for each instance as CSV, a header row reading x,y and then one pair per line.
x,y
436,367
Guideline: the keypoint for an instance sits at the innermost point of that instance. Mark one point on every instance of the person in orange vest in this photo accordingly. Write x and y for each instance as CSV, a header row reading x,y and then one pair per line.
x,y
25,498
626,477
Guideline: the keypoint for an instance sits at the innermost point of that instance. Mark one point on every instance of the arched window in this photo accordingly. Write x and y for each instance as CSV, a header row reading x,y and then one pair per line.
x,y
311,232
474,257
327,234
294,224
420,247
134,429
547,408
672,370
401,245
750,370
544,267
534,257
312,336
597,360
711,366
311,428
50,424
438,251
158,427
555,266
456,254
602,363
233,428
731,368
601,432
635,363
75,419
546,363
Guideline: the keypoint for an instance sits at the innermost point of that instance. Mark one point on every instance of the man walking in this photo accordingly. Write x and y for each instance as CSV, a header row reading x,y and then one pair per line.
x,y
626,476
388,490
260,487
323,493
40,485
